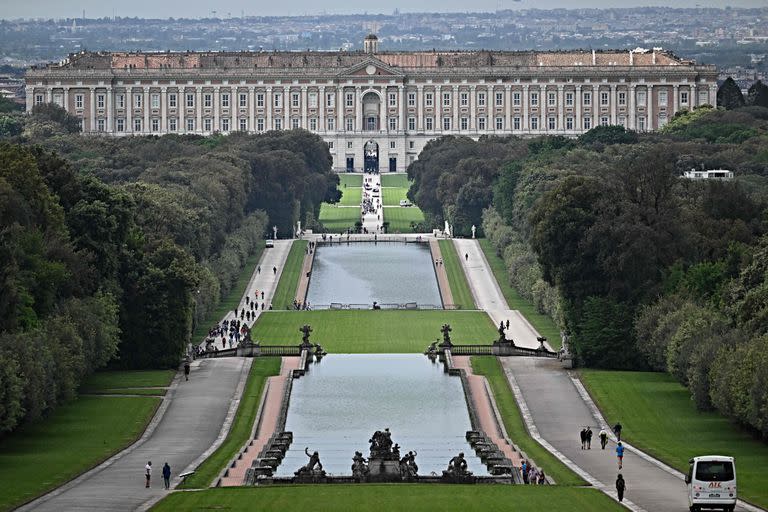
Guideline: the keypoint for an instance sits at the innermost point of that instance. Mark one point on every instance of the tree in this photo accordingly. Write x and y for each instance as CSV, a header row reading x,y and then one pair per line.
x,y
757,95
729,95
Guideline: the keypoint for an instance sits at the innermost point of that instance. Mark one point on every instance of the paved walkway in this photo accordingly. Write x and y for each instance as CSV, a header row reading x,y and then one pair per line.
x,y
555,411
191,423
373,221
442,276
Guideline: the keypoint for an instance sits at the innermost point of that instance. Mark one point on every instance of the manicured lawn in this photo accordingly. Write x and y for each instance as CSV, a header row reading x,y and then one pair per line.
x,y
232,300
338,219
241,426
395,180
392,196
101,381
400,218
350,180
370,331
289,279
456,278
351,196
659,417
392,497
75,438
513,423
541,322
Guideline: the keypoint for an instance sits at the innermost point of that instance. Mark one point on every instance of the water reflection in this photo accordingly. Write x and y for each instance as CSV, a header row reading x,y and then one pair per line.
x,y
336,407
360,273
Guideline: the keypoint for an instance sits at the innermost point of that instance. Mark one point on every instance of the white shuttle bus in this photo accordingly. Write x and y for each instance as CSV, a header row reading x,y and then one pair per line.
x,y
711,483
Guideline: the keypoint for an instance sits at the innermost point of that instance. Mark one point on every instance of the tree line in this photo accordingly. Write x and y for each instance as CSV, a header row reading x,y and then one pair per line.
x,y
641,268
110,246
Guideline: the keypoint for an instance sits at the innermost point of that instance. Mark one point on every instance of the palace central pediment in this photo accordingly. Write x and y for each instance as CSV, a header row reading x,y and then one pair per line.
x,y
371,67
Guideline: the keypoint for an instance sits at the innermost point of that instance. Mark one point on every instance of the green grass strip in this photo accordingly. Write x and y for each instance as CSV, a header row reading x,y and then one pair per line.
x,y
351,196
338,219
386,498
289,279
541,322
457,279
371,332
392,196
78,436
399,180
128,391
400,218
109,380
240,431
232,300
491,369
659,417
350,180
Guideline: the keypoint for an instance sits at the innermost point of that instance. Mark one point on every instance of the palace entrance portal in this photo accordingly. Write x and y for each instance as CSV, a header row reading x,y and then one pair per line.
x,y
371,152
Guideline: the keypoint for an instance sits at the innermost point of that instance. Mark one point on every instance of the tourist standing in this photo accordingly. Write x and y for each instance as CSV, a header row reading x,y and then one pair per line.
x,y
274,270
603,438
617,431
583,436
620,486
148,472
186,370
589,438
167,476
466,256
620,454
258,269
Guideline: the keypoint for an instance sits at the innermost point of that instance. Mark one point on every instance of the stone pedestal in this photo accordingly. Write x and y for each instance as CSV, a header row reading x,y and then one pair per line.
x,y
382,470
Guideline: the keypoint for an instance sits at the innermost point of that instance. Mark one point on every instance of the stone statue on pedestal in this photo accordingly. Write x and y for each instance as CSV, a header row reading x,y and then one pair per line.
x,y
360,468
306,330
457,470
312,471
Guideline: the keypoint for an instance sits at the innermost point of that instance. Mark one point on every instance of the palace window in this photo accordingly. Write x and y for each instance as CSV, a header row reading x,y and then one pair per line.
x,y
172,100
481,123
260,124
349,145
703,97
155,100
137,124
464,99
155,125
392,97
260,100
587,99
313,124
534,123
278,123
78,101
552,123
534,99
190,100
225,100
411,123
39,99
225,124
499,123
207,100
641,97
428,99
683,97
243,124
392,124
603,98
499,99
172,124
446,124
278,100
641,124
99,101
481,99
411,145
622,98
623,121
663,98
120,125
446,99
295,99
207,124
411,99
120,100
604,121
587,123
569,99
662,120
349,99
330,145
190,125
312,100
392,145
295,123
569,123
330,99
429,123
100,125
331,123
464,124
516,123
58,99
243,98
350,124
551,99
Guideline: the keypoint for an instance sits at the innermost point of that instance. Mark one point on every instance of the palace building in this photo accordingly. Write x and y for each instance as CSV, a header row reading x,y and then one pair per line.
x,y
375,109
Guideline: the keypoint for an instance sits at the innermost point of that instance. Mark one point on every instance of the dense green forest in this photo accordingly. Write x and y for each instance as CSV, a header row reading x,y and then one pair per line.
x,y
110,246
641,268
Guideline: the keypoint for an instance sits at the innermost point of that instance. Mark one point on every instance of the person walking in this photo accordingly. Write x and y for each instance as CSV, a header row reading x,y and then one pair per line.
x,y
589,438
466,256
620,454
167,476
621,485
148,473
603,435
617,431
583,436
507,323
186,370
258,269
274,270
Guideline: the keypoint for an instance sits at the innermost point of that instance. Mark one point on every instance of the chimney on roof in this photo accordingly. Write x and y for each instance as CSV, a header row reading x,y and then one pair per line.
x,y
594,61
371,44
654,55
631,59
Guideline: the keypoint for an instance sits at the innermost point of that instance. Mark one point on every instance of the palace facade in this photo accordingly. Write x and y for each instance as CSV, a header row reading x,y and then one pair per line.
x,y
374,109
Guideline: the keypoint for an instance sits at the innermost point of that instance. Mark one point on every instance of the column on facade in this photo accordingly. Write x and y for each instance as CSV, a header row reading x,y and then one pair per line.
x,y
30,97
401,108
508,107
340,108
286,108
560,108
713,95
578,122
145,105
437,124
49,94
268,102
649,124
614,105
66,98
543,108
455,107
164,109
383,110
181,108
632,91
358,109
420,107
526,121
303,100
216,104
128,110
322,104
92,106
472,107
675,103
110,120
199,109
693,101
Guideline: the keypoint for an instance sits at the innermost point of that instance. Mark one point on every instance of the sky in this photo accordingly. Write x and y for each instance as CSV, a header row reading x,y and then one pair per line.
x,y
203,8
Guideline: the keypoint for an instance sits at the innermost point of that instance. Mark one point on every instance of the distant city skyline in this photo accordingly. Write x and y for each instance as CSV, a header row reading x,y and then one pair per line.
x,y
236,8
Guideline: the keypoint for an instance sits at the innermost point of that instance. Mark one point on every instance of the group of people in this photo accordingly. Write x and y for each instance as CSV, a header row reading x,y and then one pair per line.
x,y
586,444
531,475
166,475
301,305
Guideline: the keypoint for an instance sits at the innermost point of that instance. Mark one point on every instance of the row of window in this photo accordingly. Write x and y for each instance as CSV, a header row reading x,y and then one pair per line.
x,y
226,99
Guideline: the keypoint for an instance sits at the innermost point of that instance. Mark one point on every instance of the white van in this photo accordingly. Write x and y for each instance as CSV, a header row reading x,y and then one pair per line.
x,y
711,483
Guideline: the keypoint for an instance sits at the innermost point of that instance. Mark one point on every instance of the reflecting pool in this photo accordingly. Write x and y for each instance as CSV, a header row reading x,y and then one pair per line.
x,y
341,401
360,273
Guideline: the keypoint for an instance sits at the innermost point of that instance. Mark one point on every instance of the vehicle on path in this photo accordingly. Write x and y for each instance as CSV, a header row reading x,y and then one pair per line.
x,y
711,483
269,243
